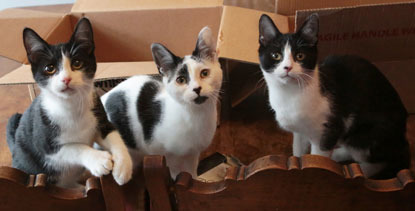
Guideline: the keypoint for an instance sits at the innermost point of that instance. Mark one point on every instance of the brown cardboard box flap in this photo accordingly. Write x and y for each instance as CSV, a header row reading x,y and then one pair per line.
x,y
7,65
288,7
378,33
263,5
110,70
12,23
111,5
238,38
126,36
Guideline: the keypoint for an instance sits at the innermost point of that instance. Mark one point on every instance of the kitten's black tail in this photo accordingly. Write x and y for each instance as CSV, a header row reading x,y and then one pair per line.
x,y
12,125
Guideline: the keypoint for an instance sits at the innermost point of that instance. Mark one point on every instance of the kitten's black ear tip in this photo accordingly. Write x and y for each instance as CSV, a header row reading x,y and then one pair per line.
x,y
313,18
28,31
84,20
157,47
264,17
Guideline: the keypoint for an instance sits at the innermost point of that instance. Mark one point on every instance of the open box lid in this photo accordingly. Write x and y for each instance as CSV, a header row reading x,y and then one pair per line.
x,y
110,5
122,5
12,22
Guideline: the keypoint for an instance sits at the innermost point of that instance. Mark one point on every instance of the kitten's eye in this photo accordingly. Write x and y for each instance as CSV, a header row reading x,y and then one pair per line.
x,y
300,56
76,64
204,73
181,80
49,69
276,56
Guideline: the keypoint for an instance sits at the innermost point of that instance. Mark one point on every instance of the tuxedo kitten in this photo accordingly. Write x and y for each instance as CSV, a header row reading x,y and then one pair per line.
x,y
344,108
173,114
55,134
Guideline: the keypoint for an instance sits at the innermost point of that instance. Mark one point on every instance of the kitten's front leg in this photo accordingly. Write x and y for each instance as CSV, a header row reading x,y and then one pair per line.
x,y
123,165
301,145
97,162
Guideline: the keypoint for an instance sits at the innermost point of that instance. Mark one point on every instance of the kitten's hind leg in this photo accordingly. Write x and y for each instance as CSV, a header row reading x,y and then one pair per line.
x,y
68,178
301,145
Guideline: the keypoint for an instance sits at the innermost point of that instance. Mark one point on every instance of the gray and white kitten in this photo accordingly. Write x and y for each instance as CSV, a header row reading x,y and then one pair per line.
x,y
344,108
173,114
55,134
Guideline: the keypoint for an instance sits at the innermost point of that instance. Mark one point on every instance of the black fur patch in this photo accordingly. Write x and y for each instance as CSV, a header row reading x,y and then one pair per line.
x,y
157,77
357,89
104,126
183,71
148,109
116,107
12,125
34,138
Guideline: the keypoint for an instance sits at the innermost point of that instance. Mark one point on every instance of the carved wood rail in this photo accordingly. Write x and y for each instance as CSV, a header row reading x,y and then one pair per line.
x,y
280,183
20,191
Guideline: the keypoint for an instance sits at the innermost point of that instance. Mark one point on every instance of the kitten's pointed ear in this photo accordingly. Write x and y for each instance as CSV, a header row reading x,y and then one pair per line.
x,y
164,59
309,29
33,43
267,29
83,35
205,45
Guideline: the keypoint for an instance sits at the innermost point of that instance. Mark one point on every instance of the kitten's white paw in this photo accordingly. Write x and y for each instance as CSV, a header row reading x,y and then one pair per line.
x,y
99,163
123,168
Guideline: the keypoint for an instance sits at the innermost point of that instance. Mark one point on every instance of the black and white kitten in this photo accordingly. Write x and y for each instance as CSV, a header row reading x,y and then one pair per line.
x,y
55,134
345,108
172,115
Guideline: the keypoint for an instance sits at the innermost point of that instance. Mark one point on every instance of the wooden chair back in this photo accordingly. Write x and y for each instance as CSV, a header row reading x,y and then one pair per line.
x,y
279,183
20,191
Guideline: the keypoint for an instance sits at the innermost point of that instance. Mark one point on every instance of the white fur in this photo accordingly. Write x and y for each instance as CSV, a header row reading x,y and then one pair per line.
x,y
71,111
123,165
345,153
299,107
186,128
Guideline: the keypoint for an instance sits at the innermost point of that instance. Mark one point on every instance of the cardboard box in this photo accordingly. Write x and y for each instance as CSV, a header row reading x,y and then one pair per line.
x,y
289,7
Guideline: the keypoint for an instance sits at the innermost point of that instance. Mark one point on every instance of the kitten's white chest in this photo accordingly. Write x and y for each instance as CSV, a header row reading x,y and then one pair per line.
x,y
77,124
187,132
301,111
82,129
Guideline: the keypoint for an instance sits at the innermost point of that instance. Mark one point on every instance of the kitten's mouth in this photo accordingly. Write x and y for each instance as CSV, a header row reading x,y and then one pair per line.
x,y
200,99
286,76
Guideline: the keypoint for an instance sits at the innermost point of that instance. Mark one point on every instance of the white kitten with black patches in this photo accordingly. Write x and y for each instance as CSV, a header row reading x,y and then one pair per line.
x,y
175,114
54,136
344,108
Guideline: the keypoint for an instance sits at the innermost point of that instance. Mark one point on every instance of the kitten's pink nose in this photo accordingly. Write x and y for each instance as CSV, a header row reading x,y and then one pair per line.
x,y
67,80
288,68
